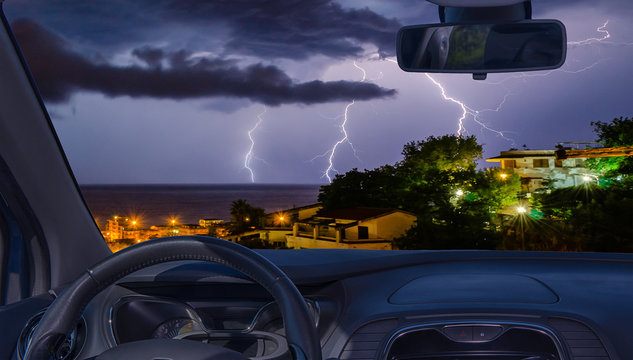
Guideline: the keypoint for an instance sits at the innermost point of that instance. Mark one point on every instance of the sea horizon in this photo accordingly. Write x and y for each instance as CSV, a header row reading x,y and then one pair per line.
x,y
154,204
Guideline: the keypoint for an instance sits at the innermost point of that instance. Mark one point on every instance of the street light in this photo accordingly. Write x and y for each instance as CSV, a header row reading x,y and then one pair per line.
x,y
503,176
586,178
522,210
459,192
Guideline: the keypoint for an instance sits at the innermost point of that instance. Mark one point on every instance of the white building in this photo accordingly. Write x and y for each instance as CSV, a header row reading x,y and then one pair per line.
x,y
536,166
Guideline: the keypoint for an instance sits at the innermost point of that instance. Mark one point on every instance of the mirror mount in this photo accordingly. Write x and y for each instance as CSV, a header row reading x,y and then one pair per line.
x,y
482,11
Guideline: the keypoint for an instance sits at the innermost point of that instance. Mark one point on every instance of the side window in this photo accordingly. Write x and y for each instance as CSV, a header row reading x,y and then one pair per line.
x,y
24,261
4,252
508,164
363,232
541,163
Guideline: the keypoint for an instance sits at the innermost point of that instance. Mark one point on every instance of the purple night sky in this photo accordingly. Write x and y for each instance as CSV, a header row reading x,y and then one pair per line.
x,y
167,91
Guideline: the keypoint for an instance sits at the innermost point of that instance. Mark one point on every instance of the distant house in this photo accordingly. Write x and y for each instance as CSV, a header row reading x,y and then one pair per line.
x,y
210,222
351,228
285,218
179,230
276,225
536,166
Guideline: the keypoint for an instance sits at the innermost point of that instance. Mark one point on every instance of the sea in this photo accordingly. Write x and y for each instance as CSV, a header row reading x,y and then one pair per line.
x,y
155,204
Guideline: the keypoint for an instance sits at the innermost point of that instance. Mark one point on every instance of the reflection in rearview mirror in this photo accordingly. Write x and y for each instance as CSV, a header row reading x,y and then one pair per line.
x,y
482,48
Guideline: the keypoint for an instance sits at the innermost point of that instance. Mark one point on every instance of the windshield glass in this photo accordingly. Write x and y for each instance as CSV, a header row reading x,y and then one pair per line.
x,y
288,124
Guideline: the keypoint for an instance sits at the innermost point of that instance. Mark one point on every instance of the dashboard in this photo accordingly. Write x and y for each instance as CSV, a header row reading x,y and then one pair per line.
x,y
375,305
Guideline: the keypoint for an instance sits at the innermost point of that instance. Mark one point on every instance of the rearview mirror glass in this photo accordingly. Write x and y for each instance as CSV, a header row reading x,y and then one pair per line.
x,y
482,48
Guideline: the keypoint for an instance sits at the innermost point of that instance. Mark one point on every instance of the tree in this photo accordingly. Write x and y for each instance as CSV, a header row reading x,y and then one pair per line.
x,y
377,188
587,218
438,180
619,132
244,216
594,217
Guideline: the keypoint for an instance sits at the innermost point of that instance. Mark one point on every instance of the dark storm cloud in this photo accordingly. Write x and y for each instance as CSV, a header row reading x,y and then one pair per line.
x,y
60,72
295,29
268,29
151,56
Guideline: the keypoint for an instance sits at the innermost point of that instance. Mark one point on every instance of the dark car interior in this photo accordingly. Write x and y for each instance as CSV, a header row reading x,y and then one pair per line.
x,y
200,298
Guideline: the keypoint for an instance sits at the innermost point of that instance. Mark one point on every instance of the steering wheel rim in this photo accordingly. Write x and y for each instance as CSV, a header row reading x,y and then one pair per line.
x,y
66,309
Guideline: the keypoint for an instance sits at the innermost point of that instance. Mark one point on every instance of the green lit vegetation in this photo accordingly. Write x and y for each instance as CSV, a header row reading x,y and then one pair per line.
x,y
437,180
461,207
467,47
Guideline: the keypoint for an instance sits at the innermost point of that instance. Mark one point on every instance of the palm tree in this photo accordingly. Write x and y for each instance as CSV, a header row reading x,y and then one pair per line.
x,y
244,215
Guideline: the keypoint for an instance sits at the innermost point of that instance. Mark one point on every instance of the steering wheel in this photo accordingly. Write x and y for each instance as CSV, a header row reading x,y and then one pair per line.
x,y
64,313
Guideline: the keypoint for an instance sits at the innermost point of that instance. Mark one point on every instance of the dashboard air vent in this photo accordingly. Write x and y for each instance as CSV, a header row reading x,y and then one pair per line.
x,y
583,343
365,342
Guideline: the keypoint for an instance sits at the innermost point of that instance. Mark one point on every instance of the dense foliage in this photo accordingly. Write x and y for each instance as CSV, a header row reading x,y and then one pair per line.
x,y
619,132
460,207
598,215
437,180
244,216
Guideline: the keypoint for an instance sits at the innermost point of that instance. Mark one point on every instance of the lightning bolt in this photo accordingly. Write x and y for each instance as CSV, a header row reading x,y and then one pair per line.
x,y
588,41
250,155
466,110
600,29
345,136
476,114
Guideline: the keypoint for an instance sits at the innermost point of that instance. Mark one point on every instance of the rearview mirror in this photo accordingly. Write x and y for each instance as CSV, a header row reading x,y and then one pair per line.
x,y
482,48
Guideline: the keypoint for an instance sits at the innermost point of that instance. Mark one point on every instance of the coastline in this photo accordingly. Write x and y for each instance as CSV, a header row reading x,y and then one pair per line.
x,y
154,204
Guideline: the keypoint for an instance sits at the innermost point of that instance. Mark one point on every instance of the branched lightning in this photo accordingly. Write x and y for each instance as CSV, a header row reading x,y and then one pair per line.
x,y
476,114
467,110
593,40
588,41
250,155
345,137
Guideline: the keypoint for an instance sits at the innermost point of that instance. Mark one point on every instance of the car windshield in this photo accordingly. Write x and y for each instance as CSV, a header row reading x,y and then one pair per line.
x,y
288,124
